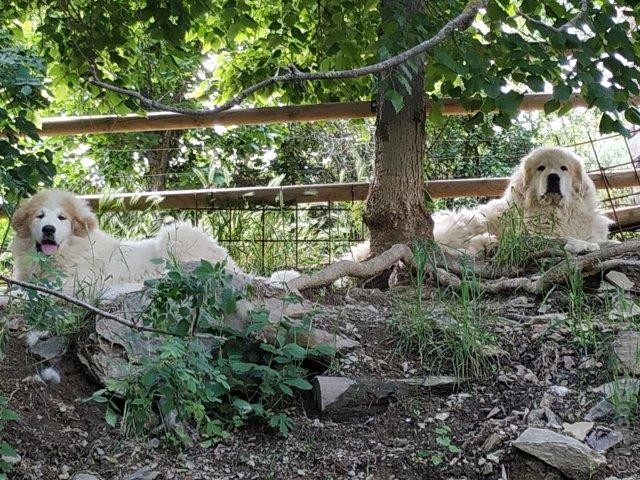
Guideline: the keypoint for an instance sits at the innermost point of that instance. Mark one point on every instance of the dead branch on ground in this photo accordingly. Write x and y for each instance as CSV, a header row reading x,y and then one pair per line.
x,y
82,304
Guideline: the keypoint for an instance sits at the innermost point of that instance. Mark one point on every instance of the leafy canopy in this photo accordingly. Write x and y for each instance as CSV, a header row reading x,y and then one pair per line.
x,y
513,46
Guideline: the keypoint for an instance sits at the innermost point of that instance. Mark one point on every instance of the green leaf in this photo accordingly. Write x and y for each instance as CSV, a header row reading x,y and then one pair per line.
x,y
632,114
8,415
535,83
551,106
111,417
509,102
295,351
300,383
396,99
562,93
242,406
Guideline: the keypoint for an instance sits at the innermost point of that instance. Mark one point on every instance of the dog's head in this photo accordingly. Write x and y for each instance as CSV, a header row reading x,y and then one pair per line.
x,y
550,176
51,218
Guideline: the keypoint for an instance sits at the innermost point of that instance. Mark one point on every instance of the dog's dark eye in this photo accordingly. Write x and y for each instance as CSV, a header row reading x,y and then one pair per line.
x,y
40,216
541,168
563,168
60,217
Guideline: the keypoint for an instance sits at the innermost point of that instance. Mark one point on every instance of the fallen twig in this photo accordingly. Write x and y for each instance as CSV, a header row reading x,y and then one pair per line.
x,y
85,305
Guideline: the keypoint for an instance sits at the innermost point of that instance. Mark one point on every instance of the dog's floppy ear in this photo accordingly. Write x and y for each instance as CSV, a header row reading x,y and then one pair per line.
x,y
83,221
581,182
21,219
516,191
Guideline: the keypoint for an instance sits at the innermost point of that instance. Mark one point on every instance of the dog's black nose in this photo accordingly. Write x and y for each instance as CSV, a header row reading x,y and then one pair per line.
x,y
553,183
49,230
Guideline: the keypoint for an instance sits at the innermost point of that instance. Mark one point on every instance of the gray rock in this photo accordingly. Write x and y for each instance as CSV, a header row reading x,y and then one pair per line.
x,y
602,439
578,430
602,409
144,473
626,349
50,348
619,280
574,459
85,476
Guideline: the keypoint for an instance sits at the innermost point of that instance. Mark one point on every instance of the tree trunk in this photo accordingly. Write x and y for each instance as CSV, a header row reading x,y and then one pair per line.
x,y
159,158
395,209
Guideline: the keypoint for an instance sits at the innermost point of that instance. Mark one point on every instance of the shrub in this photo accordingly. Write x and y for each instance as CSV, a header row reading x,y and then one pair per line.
x,y
7,455
211,377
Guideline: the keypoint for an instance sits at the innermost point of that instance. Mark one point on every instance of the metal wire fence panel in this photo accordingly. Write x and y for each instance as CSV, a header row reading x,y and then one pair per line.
x,y
264,238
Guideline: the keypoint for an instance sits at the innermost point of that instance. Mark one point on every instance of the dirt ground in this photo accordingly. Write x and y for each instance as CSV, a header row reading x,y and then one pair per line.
x,y
60,434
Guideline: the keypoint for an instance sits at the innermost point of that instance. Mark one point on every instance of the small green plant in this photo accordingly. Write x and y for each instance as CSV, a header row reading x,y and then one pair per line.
x,y
518,239
8,456
450,331
445,442
421,253
45,312
580,315
623,393
212,376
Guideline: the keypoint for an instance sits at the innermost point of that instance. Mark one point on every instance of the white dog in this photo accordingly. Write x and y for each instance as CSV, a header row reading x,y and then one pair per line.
x,y
58,224
552,192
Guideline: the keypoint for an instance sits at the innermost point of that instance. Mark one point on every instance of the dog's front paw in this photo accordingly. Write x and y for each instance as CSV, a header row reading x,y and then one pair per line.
x,y
576,247
482,244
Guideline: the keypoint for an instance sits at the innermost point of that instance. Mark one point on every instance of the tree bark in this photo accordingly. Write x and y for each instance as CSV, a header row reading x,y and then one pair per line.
x,y
159,159
395,208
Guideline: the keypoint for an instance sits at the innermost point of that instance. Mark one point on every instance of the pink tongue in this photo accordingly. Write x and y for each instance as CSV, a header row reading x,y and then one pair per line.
x,y
49,248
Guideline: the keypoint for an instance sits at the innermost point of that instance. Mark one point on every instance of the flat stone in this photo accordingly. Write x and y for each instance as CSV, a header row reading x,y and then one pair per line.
x,y
619,280
578,430
50,348
492,441
602,439
574,459
85,476
144,473
626,349
600,410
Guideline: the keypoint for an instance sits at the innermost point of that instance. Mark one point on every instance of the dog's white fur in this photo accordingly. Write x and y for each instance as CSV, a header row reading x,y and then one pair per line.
x,y
571,212
86,255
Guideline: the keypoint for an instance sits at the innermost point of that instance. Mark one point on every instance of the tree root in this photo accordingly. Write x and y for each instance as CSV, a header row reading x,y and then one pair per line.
x,y
449,265
347,268
588,265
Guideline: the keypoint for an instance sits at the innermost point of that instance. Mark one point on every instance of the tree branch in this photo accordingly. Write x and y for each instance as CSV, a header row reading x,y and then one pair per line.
x,y
460,23
85,305
584,9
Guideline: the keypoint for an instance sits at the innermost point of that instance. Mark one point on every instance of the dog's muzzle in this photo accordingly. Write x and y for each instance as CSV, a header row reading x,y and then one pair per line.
x,y
553,184
48,244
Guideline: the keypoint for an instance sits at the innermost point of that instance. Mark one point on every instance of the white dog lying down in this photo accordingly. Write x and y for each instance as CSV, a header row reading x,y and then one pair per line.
x,y
552,192
58,223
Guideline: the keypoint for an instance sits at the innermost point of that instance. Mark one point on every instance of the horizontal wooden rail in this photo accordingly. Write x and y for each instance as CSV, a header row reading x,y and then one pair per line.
x,y
625,218
156,121
337,192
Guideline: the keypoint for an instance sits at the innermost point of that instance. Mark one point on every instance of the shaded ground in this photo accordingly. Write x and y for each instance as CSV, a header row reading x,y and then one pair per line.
x,y
60,435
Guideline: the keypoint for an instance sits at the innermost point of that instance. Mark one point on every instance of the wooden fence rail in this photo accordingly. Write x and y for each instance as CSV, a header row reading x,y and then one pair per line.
x,y
336,192
155,121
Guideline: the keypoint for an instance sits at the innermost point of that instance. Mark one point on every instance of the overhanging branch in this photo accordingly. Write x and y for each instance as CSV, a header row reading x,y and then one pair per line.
x,y
460,23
